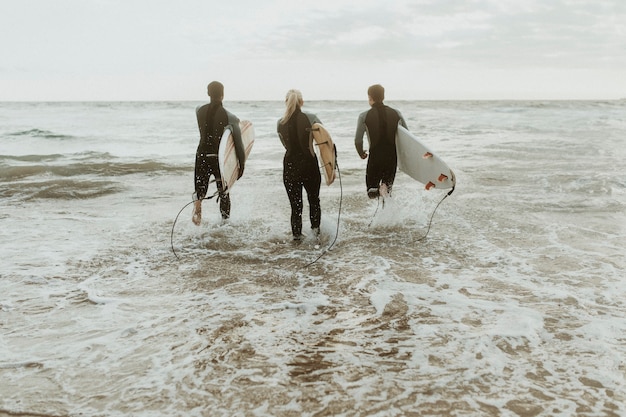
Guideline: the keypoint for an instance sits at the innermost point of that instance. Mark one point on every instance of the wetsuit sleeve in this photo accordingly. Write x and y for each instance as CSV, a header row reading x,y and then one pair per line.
x,y
200,117
360,131
201,170
313,118
280,136
233,121
402,121
309,142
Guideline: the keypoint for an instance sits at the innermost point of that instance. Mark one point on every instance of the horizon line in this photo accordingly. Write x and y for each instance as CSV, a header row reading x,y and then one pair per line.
x,y
309,100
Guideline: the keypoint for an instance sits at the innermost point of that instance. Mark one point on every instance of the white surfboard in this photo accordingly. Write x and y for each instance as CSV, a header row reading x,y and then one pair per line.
x,y
227,157
325,150
420,163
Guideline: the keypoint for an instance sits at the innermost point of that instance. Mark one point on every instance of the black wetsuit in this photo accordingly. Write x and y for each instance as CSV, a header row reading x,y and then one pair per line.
x,y
212,120
300,169
381,124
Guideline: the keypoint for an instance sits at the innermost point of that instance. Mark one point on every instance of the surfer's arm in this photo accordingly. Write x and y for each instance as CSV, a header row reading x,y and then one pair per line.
x,y
313,118
358,137
282,140
402,121
309,143
200,117
233,121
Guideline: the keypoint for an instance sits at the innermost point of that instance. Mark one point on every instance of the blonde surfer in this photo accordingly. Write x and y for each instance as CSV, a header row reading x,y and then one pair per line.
x,y
300,165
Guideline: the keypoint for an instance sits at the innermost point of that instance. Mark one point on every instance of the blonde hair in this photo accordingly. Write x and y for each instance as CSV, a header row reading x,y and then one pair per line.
x,y
293,101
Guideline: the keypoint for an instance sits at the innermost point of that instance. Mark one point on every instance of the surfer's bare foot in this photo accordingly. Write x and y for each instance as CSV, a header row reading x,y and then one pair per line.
x,y
196,217
383,190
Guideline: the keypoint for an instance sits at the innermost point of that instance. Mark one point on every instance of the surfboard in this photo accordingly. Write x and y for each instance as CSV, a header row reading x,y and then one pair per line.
x,y
420,163
227,157
325,151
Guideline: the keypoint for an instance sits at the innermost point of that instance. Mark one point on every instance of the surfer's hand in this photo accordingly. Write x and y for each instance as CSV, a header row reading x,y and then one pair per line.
x,y
364,155
240,172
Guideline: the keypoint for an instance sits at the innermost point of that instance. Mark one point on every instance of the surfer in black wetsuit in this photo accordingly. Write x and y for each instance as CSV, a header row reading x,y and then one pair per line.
x,y
213,119
300,166
381,123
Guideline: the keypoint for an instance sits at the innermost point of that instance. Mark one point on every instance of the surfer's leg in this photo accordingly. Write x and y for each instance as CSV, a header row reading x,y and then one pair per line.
x,y
224,201
225,206
202,174
388,178
312,186
372,177
294,193
201,183
223,195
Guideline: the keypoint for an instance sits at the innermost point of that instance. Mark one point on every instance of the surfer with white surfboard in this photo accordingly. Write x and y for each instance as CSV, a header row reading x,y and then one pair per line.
x,y
300,164
213,120
392,146
380,123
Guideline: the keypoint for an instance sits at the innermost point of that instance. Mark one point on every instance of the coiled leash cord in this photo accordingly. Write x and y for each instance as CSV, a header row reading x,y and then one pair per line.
x,y
176,219
338,220
430,222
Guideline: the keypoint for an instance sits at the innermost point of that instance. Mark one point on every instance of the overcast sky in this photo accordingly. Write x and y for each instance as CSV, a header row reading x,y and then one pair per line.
x,y
329,49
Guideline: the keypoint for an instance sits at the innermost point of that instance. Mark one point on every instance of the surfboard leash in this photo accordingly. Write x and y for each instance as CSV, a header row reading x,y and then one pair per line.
x,y
338,218
176,219
430,222
376,211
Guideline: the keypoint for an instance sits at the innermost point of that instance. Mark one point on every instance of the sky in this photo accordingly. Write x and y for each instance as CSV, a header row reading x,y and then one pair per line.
x,y
56,50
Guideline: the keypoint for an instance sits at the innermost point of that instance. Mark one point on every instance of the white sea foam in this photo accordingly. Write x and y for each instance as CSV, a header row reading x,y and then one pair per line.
x,y
513,304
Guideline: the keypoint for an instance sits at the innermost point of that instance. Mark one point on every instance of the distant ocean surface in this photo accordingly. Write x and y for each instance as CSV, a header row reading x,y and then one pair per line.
x,y
513,305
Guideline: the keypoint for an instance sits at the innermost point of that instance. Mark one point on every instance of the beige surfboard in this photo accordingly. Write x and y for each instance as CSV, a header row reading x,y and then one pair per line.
x,y
325,151
229,164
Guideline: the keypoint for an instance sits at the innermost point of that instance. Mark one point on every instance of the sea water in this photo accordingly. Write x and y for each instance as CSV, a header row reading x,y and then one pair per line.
x,y
508,300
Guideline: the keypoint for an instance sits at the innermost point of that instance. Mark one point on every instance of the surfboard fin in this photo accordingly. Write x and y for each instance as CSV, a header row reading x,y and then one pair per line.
x,y
427,155
442,178
430,185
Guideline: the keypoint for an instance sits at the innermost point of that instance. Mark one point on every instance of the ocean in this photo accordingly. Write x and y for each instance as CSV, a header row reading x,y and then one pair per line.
x,y
513,304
